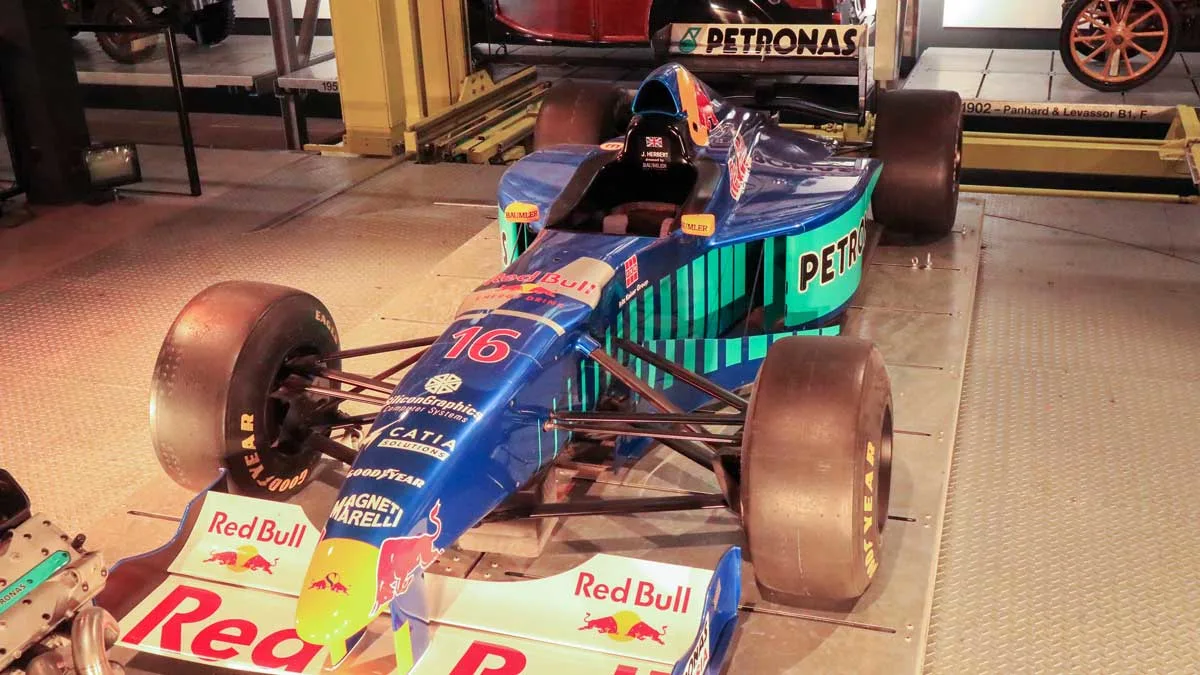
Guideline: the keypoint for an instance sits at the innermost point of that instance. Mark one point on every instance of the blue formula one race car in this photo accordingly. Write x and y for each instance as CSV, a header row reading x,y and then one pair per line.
x,y
675,264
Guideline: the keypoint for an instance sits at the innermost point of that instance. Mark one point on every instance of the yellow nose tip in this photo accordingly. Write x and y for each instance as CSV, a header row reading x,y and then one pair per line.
x,y
338,595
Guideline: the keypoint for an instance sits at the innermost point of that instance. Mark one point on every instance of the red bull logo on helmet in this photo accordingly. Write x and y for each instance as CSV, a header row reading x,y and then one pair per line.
x,y
242,559
401,559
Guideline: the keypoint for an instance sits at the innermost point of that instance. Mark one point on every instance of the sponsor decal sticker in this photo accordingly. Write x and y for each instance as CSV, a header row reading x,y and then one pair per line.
x,y
330,582
388,474
366,510
412,439
623,627
446,383
213,624
401,559
643,594
631,271
633,292
739,167
522,212
612,145
687,43
833,260
696,104
767,40
697,663
434,405
699,224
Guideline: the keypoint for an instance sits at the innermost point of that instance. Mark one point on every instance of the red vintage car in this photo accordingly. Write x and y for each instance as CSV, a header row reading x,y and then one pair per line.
x,y
632,22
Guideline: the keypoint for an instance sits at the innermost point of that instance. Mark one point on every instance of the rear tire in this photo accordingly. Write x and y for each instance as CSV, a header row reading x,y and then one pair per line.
x,y
127,48
918,136
211,25
816,469
210,404
586,113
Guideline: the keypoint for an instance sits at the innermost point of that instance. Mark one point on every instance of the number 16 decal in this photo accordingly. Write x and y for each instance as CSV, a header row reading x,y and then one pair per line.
x,y
486,348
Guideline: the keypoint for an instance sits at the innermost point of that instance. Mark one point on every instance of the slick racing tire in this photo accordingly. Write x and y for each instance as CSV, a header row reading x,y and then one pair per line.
x,y
586,113
1118,45
211,403
128,48
918,137
816,469
211,25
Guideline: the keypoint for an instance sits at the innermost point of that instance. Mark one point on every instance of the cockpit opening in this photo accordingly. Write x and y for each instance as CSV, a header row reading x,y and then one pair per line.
x,y
643,190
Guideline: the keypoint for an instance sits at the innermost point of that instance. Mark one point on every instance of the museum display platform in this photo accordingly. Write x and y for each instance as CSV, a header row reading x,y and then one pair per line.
x,y
1033,84
1041,520
240,62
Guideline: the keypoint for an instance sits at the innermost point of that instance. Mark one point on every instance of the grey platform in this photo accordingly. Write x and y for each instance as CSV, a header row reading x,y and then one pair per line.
x,y
240,62
1034,84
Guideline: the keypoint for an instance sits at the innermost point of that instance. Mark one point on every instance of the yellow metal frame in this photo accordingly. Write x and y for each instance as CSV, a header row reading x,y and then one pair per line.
x,y
403,71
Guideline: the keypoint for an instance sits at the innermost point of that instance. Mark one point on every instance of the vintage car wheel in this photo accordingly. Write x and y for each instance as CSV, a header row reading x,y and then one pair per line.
x,y
918,136
211,403
211,25
1117,45
816,469
126,48
579,112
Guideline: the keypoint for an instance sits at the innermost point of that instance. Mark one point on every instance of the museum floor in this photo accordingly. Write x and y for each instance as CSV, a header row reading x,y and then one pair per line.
x,y
1069,537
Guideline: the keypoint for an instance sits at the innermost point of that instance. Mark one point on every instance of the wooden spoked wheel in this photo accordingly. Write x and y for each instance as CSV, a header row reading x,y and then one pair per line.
x,y
1114,45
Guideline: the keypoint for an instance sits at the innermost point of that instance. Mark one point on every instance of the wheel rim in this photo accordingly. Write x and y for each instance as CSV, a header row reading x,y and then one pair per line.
x,y
123,41
1117,41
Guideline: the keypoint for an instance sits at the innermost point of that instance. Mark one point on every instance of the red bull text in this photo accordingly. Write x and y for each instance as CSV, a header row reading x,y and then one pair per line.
x,y
258,529
644,594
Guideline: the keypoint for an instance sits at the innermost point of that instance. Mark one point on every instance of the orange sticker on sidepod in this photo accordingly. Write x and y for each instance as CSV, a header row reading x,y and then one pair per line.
x,y
700,224
522,212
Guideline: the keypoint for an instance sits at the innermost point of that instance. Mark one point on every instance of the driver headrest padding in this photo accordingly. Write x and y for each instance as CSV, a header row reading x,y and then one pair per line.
x,y
657,142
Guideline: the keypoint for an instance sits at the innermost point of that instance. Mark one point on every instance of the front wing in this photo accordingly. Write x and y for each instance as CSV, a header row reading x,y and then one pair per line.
x,y
223,592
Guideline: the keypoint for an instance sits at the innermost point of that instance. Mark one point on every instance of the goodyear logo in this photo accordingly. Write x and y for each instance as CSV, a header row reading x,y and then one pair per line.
x,y
699,224
767,40
522,212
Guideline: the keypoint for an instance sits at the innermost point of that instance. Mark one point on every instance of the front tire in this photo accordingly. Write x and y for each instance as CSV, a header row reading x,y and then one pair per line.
x,y
211,404
918,136
816,469
127,48
212,24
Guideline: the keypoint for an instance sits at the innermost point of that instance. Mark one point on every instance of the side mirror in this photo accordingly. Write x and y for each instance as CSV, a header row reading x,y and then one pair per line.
x,y
14,503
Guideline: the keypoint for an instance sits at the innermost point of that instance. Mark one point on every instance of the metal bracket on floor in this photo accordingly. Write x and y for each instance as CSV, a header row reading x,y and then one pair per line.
x,y
488,122
1173,158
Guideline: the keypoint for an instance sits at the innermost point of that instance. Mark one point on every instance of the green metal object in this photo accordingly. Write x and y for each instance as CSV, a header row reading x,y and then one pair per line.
x,y
16,590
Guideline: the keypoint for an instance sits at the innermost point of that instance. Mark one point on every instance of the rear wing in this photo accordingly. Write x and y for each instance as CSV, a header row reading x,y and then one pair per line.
x,y
223,593
776,49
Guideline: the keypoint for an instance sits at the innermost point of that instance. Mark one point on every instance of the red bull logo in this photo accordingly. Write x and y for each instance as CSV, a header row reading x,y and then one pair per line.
x,y
242,559
402,558
330,582
623,627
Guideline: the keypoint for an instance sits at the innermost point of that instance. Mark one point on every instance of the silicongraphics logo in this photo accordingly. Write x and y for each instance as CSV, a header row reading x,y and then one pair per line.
x,y
687,44
446,383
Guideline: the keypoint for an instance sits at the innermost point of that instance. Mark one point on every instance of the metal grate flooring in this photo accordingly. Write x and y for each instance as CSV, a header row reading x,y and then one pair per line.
x,y
78,343
1070,537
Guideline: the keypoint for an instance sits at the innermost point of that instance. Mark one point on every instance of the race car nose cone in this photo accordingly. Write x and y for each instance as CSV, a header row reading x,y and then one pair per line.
x,y
338,596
